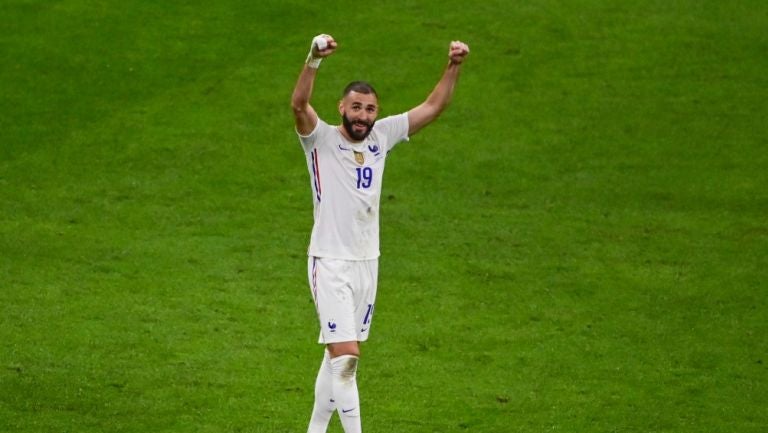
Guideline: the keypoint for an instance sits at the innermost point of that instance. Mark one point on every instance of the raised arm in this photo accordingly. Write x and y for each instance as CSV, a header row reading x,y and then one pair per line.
x,y
305,116
423,114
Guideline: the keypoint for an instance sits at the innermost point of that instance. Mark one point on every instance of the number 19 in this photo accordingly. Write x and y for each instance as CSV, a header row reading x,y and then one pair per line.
x,y
364,177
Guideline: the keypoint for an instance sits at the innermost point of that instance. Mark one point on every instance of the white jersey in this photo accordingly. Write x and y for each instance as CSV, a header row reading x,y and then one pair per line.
x,y
346,185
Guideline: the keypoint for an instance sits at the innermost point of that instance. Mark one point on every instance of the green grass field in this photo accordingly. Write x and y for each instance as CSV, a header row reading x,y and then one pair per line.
x,y
579,244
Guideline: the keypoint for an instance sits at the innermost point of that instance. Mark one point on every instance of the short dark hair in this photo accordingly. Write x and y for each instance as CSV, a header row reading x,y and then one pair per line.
x,y
359,87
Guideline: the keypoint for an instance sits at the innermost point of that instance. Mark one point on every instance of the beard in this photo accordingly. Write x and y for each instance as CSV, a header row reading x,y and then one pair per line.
x,y
359,136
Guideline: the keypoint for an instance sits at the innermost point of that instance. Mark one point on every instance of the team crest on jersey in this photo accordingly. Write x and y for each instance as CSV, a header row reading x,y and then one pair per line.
x,y
359,158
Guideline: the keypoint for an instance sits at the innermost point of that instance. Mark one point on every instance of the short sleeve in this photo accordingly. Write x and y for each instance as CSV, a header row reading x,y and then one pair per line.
x,y
395,128
309,140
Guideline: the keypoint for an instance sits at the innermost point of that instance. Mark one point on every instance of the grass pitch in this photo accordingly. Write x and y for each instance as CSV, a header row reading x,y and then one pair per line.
x,y
579,244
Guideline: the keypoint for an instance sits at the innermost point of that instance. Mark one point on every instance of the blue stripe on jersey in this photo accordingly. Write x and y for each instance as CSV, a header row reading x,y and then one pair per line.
x,y
316,173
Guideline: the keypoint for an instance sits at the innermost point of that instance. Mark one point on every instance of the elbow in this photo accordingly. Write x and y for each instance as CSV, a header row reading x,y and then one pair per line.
x,y
299,102
299,106
438,107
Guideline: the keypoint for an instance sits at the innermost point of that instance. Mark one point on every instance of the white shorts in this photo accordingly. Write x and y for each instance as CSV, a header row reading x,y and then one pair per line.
x,y
344,292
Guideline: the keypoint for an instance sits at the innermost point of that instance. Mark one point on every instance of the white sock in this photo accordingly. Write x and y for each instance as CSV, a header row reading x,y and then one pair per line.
x,y
345,393
324,403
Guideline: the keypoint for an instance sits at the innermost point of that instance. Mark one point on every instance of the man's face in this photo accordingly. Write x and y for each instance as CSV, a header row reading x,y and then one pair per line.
x,y
358,114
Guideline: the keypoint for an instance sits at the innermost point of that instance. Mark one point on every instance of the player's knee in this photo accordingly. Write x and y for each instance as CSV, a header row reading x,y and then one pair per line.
x,y
345,348
345,368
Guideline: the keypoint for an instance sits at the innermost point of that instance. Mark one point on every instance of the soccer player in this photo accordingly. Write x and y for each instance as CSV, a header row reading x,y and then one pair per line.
x,y
346,164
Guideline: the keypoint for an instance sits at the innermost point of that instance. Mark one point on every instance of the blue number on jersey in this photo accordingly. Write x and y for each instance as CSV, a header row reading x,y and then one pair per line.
x,y
364,177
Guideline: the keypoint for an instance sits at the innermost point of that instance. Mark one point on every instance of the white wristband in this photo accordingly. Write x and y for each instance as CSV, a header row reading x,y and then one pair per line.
x,y
313,62
320,43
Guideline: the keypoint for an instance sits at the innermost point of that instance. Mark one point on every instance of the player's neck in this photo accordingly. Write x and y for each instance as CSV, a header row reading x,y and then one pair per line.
x,y
346,135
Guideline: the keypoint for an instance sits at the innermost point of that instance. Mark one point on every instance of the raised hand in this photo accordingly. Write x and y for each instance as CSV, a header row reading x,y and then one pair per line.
x,y
457,52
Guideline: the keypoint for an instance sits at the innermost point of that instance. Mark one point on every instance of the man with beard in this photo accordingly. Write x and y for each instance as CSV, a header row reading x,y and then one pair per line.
x,y
346,164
